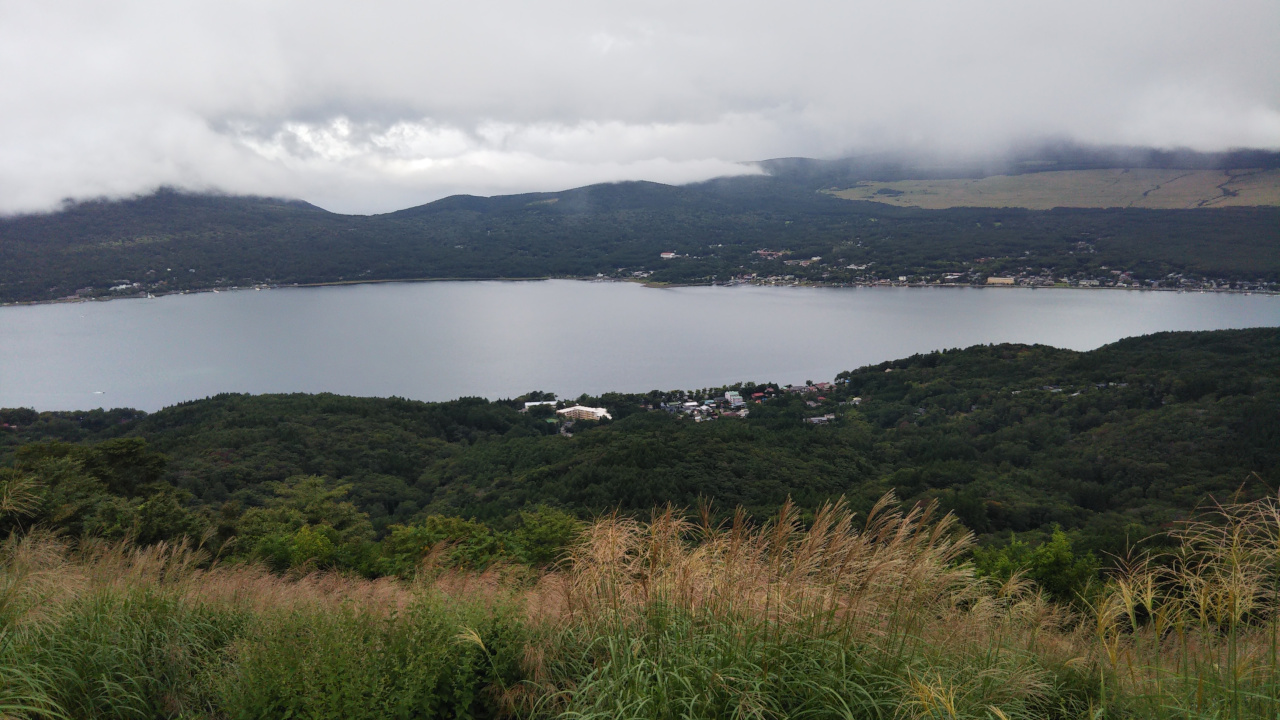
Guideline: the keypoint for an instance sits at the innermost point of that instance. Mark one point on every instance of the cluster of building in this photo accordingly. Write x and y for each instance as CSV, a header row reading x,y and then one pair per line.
x,y
814,271
803,263
733,404
1107,277
730,405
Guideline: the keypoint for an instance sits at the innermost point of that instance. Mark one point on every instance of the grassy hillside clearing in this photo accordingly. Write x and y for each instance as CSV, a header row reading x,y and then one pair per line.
x,y
1119,188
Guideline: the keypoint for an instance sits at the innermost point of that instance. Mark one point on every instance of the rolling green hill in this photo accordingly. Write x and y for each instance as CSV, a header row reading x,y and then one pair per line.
x,y
1111,444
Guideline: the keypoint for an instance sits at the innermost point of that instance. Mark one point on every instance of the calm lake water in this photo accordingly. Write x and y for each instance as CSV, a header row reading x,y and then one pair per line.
x,y
437,341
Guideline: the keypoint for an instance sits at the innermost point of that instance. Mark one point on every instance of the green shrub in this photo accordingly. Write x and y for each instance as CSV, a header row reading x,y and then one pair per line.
x,y
461,543
1053,565
544,534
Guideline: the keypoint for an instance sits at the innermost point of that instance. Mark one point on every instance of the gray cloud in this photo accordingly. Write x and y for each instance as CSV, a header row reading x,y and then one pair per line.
x,y
374,106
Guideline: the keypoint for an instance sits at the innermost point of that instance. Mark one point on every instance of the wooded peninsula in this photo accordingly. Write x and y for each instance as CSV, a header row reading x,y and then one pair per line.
x,y
1108,446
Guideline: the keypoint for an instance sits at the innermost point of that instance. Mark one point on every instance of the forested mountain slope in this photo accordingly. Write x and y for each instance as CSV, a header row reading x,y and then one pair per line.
x,y
173,241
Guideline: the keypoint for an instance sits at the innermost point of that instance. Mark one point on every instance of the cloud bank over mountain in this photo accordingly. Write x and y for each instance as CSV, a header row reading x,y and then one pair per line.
x,y
378,105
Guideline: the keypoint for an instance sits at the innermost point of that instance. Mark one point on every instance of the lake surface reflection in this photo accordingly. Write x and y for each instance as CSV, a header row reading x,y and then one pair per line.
x,y
437,341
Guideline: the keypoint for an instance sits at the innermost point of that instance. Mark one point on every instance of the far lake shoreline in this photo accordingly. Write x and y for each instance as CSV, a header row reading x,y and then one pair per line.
x,y
634,281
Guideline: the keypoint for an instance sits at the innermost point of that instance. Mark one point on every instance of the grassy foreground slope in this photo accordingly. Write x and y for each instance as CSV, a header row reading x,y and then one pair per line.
x,y
866,617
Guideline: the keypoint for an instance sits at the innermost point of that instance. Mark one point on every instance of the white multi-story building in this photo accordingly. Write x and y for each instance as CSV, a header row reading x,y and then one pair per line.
x,y
582,412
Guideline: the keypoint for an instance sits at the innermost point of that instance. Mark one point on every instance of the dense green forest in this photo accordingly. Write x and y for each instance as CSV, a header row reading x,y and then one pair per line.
x,y
172,241
1108,447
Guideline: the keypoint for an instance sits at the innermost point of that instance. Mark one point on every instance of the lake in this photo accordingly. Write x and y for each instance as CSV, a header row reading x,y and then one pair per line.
x,y
438,341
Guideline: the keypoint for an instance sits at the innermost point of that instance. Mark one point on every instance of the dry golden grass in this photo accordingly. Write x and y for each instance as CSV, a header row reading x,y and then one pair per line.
x,y
39,572
779,570
34,577
1191,634
890,584
1202,626
1140,188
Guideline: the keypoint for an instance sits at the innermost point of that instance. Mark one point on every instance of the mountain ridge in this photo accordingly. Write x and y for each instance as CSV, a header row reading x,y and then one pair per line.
x,y
174,241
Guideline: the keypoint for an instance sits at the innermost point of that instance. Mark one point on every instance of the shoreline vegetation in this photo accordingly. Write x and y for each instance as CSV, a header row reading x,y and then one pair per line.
x,y
641,281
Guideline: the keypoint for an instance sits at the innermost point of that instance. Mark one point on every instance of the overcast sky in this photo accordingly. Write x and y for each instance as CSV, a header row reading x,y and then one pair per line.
x,y
376,105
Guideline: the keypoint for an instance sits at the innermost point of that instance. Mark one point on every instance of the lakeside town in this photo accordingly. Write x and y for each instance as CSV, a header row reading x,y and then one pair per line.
x,y
818,403
699,406
981,272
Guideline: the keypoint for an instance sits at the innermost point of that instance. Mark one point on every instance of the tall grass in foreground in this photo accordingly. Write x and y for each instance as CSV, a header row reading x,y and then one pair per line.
x,y
107,634
834,621
114,631
1197,634
846,618
438,657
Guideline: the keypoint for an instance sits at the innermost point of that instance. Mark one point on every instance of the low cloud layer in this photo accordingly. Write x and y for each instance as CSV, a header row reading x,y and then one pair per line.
x,y
379,105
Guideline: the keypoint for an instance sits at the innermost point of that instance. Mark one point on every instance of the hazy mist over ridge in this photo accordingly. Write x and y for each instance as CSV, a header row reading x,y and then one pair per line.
x,y
385,105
